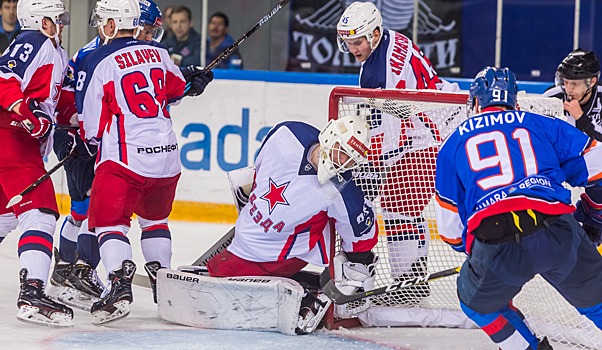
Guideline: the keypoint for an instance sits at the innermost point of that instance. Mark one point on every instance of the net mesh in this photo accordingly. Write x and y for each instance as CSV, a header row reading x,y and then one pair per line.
x,y
400,181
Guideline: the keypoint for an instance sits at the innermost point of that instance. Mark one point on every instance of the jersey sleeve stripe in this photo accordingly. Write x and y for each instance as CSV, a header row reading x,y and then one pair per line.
x,y
452,241
443,203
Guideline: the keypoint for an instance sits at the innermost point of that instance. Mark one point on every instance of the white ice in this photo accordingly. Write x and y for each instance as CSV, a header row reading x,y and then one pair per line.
x,y
143,329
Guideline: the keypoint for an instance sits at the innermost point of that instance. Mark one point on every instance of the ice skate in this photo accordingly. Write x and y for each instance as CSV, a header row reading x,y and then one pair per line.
x,y
115,304
35,307
151,269
58,278
313,307
82,288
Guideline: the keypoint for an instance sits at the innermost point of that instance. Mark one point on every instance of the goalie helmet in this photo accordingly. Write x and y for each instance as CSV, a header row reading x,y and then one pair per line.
x,y
125,13
578,65
31,12
150,15
493,87
359,19
344,144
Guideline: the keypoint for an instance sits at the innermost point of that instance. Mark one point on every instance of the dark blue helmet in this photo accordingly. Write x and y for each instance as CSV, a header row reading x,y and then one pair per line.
x,y
150,15
494,87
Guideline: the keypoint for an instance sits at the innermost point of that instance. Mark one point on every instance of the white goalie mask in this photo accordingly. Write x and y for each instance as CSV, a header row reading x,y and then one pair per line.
x,y
344,145
125,13
359,19
30,13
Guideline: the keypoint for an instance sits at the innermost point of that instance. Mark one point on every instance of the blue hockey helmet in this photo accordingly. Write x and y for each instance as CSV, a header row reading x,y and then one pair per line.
x,y
150,15
494,87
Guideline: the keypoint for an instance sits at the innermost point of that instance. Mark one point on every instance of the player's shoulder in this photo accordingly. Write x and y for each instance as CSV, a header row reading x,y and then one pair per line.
x,y
304,132
35,38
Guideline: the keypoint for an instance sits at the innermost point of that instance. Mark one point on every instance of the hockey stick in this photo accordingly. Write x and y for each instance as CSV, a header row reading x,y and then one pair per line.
x,y
330,289
237,43
218,247
18,198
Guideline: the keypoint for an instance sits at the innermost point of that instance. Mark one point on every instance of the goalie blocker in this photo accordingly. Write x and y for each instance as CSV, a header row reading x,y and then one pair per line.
x,y
259,303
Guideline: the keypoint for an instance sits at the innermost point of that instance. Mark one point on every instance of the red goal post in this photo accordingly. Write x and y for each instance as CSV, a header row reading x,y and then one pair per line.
x,y
547,312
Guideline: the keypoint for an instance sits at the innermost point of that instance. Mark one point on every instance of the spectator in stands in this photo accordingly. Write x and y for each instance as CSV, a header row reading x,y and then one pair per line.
x,y
185,45
219,40
10,27
168,32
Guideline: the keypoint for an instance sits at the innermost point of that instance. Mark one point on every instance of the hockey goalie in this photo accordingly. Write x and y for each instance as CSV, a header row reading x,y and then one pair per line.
x,y
302,181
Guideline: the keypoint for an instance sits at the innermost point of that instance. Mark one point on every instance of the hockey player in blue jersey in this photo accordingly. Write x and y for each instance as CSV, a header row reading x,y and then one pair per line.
x,y
74,279
500,199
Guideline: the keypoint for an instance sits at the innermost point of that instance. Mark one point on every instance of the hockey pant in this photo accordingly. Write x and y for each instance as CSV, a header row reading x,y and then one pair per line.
x,y
494,273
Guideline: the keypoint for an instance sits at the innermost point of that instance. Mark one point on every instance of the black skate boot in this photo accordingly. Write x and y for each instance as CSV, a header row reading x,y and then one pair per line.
x,y
61,271
35,307
313,307
115,304
82,287
151,269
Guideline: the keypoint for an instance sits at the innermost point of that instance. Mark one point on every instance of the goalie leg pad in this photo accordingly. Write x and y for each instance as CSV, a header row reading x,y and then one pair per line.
x,y
243,303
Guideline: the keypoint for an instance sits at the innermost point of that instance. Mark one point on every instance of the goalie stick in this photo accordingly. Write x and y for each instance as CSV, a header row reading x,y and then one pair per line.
x,y
18,198
330,289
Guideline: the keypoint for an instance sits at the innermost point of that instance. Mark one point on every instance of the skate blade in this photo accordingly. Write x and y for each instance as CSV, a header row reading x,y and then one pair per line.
x,y
30,314
78,299
101,318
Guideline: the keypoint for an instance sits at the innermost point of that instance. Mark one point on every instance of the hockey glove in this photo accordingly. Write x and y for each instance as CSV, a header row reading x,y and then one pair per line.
x,y
83,149
589,214
349,276
197,79
34,119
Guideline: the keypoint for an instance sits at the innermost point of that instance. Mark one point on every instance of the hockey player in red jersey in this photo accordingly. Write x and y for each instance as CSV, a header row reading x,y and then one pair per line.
x,y
122,93
31,74
74,280
403,148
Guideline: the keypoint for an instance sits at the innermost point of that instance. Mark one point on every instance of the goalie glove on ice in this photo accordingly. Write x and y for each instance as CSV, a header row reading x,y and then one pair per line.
x,y
353,271
197,79
37,122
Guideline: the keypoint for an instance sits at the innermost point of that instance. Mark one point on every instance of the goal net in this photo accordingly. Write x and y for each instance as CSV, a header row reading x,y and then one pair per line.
x,y
400,181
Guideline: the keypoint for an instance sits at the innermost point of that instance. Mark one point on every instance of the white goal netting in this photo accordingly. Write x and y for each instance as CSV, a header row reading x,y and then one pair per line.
x,y
400,182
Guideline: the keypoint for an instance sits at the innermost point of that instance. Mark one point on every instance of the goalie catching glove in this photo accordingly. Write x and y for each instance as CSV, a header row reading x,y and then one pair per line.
x,y
589,214
354,271
37,122
197,79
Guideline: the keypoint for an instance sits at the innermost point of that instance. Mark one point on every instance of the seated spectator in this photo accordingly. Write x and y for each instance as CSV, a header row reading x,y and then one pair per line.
x,y
10,27
219,40
168,32
185,45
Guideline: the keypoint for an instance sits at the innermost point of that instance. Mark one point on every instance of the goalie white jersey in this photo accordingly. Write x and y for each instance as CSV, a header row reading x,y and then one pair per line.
x,y
288,211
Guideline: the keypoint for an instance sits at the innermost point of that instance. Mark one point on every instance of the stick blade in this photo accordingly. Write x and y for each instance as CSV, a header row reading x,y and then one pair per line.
x,y
16,199
329,288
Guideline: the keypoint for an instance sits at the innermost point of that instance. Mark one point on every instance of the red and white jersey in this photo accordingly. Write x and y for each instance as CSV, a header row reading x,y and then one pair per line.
x,y
122,93
32,67
397,63
288,211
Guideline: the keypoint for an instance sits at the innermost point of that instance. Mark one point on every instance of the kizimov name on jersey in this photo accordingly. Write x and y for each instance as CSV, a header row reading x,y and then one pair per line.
x,y
482,121
158,149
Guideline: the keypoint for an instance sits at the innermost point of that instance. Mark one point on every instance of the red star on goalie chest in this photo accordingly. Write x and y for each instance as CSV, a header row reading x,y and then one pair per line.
x,y
275,195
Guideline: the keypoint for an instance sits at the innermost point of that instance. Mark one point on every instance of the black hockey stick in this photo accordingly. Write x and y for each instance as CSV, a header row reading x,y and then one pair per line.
x,y
330,289
218,247
237,43
18,198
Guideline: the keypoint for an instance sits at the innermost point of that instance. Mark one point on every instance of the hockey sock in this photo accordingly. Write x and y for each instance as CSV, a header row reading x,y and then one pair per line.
x,y
156,244
114,249
506,327
67,242
87,246
407,243
35,253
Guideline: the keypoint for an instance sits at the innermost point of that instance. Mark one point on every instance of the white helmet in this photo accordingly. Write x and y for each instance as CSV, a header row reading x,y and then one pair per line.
x,y
31,12
125,13
348,135
359,19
